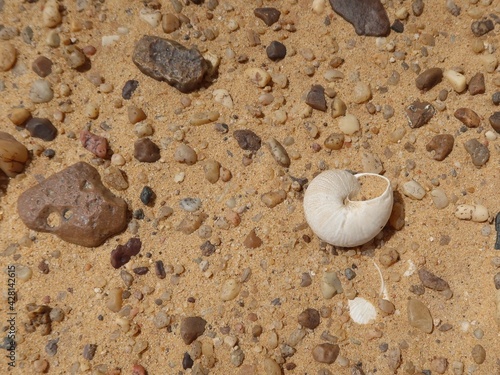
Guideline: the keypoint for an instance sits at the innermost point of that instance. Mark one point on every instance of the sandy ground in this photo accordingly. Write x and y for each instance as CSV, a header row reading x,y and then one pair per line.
x,y
80,278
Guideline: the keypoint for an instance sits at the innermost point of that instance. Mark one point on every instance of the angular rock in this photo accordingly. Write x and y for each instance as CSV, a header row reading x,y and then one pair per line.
x,y
94,143
419,316
41,128
479,153
476,84
122,253
442,145
268,15
146,150
367,16
13,155
169,61
482,27
316,98
252,241
42,66
192,328
74,205
419,113
429,78
432,281
129,88
495,121
247,139
468,117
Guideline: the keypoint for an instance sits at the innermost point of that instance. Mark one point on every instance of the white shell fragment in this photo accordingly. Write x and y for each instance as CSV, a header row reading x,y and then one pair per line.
x,y
337,219
477,213
362,311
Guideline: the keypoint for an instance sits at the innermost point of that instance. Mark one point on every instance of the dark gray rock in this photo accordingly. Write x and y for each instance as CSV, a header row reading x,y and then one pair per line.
x,y
129,88
367,16
41,128
316,98
74,205
479,153
169,61
495,121
276,51
482,27
419,113
268,15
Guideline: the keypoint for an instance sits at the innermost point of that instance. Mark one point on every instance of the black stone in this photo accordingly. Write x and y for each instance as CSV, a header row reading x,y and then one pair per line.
x,y
141,270
187,361
398,26
207,248
247,139
160,269
367,16
41,128
138,214
497,228
129,88
268,15
147,195
276,51
122,253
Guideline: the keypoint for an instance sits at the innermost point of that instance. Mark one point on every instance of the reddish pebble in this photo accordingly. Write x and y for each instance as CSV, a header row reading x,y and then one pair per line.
x,y
89,50
138,370
94,143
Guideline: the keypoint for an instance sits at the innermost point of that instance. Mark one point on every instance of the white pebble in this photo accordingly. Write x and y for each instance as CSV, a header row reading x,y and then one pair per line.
x,y
477,213
230,289
490,135
153,18
318,6
223,97
190,204
108,40
439,198
117,159
361,93
349,124
143,129
413,190
23,273
456,80
41,91
91,111
258,76
51,16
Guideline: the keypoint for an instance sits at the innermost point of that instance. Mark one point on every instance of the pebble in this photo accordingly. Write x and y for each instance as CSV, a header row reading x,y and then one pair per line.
x,y
495,98
143,129
167,60
41,128
19,116
40,366
330,285
185,154
339,108
477,212
8,56
479,153
476,84
51,17
431,281
479,28
13,155
94,143
371,163
74,56
278,152
309,318
478,354
457,80
489,62
129,88
223,97
273,198
41,91
252,241
419,316
187,361
334,141
146,150
230,289
419,113
468,117
51,347
76,194
276,51
270,366
439,198
211,168
442,145
439,365
269,15
122,254
170,23
361,93
191,328
205,117
135,114
89,351
417,7
413,190
316,98
494,120
115,178
367,16
326,353
258,76
349,124
147,195
190,204
191,223
429,78
387,307
41,66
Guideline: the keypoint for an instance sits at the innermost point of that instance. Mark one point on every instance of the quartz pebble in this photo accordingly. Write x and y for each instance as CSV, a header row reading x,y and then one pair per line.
x,y
115,300
74,56
223,97
41,128
230,290
494,120
74,205
361,93
429,78
278,152
349,124
135,114
13,155
115,178
145,150
8,56
371,163
419,316
94,143
477,212
479,153
476,84
419,113
413,190
326,353
457,80
269,15
191,328
367,16
202,118
316,98
247,139
439,198
339,108
468,117
442,145
185,154
51,17
211,168
330,285
41,91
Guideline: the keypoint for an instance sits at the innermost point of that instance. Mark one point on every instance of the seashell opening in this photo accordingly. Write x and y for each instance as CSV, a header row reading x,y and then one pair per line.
x,y
341,212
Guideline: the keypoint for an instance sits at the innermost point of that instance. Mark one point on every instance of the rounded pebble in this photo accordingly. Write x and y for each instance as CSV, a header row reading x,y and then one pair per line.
x,y
8,56
41,91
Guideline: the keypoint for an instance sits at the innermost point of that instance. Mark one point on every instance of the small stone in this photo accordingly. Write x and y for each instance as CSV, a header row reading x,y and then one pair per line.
x,y
419,316
191,223
147,196
258,76
41,91
269,15
309,318
349,124
94,143
204,117
273,198
40,366
439,198
211,168
394,359
41,66
457,80
170,23
419,113
367,16
13,155
429,78
51,17
326,353
316,98
431,281
270,367
192,328
138,370
146,150
398,26
19,116
495,121
479,28
8,56
122,253
387,307
477,85
477,213
252,241
468,117
135,114
41,128
495,98
334,141
74,56
74,205
417,6
439,365
330,285
223,97
442,145
187,361
230,290
479,153
276,51
167,60
115,178
190,204
361,93
89,351
129,88
371,163
278,152
478,354
339,108
247,140
185,154
51,347
413,190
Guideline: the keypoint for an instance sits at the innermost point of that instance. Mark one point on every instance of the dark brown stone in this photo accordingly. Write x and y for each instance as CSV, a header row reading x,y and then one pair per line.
x,y
495,121
146,150
429,78
367,16
74,205
42,66
247,139
169,61
442,145
122,253
268,15
468,117
94,143
276,51
316,98
309,318
476,84
419,113
431,281
482,27
326,353
192,328
41,128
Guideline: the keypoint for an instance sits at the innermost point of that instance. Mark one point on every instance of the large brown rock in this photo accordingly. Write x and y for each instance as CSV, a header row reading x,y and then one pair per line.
x,y
169,61
367,16
74,205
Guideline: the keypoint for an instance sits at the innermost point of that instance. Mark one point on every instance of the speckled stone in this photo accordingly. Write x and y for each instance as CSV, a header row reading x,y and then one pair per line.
x,y
419,113
481,27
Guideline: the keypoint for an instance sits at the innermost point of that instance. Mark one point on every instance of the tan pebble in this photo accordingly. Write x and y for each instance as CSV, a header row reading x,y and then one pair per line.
x,y
19,116
106,87
349,124
151,17
91,111
278,152
170,23
135,114
40,366
413,190
223,97
419,316
233,218
114,302
330,284
143,129
271,367
115,178
387,307
361,93
51,17
117,159
273,198
388,257
185,154
477,213
230,290
439,365
258,76
211,169
202,118
371,163
13,155
8,56
225,174
191,223
252,241
325,353
490,62
477,46
334,141
478,354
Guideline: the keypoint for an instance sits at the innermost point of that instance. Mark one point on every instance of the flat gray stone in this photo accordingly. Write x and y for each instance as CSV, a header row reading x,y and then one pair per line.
x,y
367,16
169,61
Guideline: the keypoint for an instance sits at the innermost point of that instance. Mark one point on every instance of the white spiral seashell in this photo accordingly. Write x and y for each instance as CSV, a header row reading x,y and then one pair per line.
x,y
337,219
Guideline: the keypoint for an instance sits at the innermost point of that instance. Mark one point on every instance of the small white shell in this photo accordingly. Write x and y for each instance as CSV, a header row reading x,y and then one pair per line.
x,y
362,311
334,218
